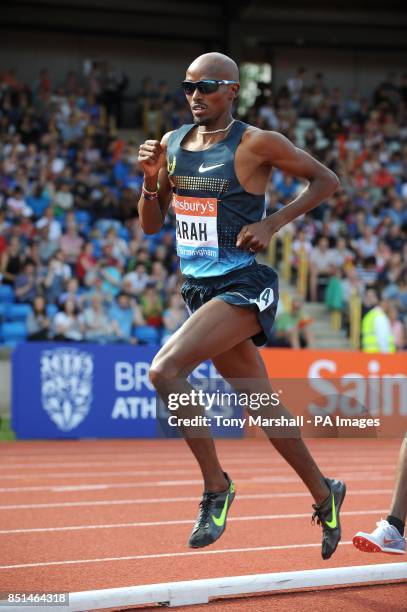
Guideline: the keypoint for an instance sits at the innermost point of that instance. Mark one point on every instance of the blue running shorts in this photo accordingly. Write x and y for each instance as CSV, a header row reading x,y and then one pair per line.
x,y
253,286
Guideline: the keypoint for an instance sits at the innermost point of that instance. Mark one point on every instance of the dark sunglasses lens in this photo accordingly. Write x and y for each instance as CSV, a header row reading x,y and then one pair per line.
x,y
207,87
204,87
189,88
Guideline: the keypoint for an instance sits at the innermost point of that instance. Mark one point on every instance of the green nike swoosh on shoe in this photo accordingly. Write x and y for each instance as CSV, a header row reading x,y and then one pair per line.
x,y
221,519
211,521
333,523
328,516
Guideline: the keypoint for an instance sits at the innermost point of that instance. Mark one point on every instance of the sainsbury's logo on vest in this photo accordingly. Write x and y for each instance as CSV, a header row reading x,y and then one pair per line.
x,y
185,205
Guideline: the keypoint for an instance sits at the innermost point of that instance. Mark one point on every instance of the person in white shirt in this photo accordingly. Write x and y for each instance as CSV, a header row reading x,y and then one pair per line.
x,y
135,282
54,226
321,260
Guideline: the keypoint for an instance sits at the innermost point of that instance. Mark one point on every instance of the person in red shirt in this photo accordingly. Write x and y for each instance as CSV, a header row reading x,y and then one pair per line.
x,y
86,261
383,178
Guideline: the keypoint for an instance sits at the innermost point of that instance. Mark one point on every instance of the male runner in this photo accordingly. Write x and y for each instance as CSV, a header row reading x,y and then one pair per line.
x,y
388,536
215,172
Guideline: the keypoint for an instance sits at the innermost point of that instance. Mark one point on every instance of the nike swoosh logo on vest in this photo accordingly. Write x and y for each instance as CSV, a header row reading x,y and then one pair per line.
x,y
202,168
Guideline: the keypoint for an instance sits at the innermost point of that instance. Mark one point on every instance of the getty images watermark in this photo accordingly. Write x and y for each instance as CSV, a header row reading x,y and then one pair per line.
x,y
252,402
229,400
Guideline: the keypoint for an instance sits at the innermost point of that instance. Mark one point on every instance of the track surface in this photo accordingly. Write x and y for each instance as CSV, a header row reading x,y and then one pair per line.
x,y
83,515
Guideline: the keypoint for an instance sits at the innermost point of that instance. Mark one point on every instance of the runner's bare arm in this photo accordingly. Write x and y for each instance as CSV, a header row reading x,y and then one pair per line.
x,y
152,159
276,150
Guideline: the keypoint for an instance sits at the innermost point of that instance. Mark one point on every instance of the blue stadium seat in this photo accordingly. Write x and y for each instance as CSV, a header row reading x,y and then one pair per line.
x,y
3,310
104,225
124,233
83,219
147,334
17,312
52,310
6,293
13,332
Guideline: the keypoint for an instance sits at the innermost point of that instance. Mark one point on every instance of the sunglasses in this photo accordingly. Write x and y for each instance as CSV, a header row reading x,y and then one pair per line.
x,y
207,86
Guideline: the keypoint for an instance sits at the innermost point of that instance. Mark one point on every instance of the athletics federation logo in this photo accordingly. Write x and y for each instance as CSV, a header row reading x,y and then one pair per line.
x,y
66,386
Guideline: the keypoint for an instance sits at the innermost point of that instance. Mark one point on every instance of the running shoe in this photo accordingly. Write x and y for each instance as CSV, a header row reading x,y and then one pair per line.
x,y
385,538
327,514
211,521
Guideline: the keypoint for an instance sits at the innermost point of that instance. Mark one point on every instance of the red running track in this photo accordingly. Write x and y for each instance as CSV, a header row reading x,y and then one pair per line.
x,y
90,515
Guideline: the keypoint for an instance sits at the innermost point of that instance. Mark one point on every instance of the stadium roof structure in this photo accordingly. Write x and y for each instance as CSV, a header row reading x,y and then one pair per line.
x,y
231,25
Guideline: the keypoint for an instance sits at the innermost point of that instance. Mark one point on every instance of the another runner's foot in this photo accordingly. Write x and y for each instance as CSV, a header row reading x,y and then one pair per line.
x,y
211,521
385,538
327,514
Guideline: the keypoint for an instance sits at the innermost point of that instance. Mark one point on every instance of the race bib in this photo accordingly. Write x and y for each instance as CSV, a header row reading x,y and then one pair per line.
x,y
196,226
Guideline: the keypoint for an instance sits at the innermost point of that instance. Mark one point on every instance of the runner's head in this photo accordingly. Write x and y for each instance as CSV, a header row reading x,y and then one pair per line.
x,y
208,107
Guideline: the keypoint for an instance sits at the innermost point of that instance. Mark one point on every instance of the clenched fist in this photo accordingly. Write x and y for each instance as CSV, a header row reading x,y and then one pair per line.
x,y
256,236
151,157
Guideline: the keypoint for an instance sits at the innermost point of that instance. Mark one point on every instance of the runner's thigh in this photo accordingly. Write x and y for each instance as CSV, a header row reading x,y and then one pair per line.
x,y
215,327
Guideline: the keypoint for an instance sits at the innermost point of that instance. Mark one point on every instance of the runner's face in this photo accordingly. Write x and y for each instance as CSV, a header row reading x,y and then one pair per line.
x,y
207,108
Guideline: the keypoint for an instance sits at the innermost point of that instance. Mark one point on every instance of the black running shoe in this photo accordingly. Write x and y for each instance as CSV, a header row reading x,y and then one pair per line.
x,y
211,521
328,516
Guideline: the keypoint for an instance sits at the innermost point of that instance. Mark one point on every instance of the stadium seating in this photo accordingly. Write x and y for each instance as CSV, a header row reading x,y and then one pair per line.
x,y
17,312
6,294
146,334
11,333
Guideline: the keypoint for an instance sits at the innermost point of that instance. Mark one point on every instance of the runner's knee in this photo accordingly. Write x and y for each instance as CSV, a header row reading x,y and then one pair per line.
x,y
163,371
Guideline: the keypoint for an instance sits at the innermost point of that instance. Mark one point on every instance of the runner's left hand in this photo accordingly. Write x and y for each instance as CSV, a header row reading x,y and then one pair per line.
x,y
254,237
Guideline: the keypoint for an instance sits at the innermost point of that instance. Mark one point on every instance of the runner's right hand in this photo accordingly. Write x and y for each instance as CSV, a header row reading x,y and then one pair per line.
x,y
151,157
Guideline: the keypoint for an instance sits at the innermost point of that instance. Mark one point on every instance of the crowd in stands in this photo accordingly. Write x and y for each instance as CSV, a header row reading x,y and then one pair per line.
x,y
74,263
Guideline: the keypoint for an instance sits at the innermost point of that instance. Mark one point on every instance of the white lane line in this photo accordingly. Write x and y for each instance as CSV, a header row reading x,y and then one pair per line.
x,y
186,461
170,554
167,500
262,455
277,479
367,468
260,517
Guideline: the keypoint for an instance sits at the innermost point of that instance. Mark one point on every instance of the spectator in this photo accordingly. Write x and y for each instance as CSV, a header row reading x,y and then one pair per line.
x,y
301,244
367,245
58,273
11,262
159,276
351,284
86,263
174,316
38,201
152,307
292,327
112,274
26,283
17,207
71,293
397,328
97,327
377,335
343,256
53,226
125,314
321,261
67,325
70,244
118,248
135,282
63,198
38,323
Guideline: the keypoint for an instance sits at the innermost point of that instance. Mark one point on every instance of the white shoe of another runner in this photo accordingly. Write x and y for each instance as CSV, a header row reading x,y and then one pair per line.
x,y
385,538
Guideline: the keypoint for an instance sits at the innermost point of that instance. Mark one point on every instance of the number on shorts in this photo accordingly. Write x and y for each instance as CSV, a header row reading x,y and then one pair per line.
x,y
265,298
